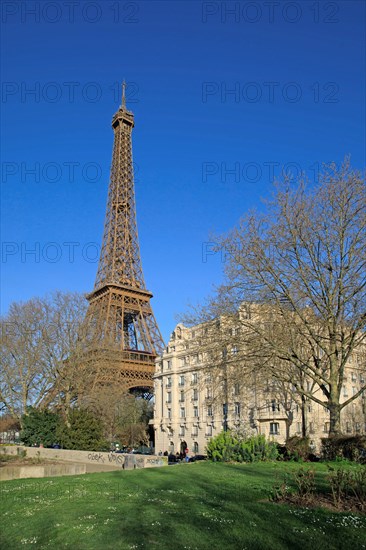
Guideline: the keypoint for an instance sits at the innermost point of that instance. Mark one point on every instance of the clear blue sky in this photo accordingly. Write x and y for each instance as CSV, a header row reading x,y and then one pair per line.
x,y
214,86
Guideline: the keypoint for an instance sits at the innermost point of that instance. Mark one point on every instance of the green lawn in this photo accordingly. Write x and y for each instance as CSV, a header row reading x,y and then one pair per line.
x,y
191,506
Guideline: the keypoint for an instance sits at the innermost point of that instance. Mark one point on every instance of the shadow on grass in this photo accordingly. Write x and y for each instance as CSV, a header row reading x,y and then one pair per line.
x,y
202,505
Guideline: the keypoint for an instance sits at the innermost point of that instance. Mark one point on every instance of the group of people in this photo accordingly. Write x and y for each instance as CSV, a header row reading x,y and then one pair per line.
x,y
177,457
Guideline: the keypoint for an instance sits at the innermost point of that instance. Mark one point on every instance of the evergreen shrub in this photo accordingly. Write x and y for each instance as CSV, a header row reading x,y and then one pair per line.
x,y
228,447
344,447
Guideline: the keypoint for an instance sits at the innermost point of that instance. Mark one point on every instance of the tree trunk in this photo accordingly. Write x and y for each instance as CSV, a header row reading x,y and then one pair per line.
x,y
303,416
334,419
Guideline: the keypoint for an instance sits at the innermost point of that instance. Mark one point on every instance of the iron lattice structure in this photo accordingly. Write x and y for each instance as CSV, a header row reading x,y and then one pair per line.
x,y
124,338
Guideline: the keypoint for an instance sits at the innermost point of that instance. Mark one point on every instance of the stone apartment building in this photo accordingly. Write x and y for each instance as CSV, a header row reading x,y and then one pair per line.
x,y
189,410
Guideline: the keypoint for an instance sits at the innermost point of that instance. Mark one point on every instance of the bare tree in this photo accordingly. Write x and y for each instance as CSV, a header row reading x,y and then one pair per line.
x,y
296,285
23,379
133,416
124,416
65,348
41,347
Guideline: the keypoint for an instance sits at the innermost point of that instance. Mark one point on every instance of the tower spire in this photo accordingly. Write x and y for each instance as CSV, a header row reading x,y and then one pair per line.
x,y
123,105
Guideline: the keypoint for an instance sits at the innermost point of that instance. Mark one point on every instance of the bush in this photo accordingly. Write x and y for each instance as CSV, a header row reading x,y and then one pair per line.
x,y
222,447
346,484
229,447
296,448
344,447
83,432
39,426
305,481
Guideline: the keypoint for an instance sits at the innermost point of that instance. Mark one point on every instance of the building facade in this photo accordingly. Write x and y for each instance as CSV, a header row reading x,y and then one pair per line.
x,y
191,405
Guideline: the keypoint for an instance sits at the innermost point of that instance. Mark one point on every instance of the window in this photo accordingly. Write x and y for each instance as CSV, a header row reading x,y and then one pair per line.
x,y
195,358
181,398
194,378
171,447
208,431
237,409
169,382
209,379
209,411
224,409
169,414
169,364
310,408
354,377
181,380
354,390
234,350
274,405
182,412
195,394
274,428
183,361
182,431
195,412
168,397
246,312
345,392
194,431
236,389
195,447
209,393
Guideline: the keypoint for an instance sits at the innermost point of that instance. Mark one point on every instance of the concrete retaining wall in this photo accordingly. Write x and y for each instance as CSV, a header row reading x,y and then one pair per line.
x,y
48,470
112,460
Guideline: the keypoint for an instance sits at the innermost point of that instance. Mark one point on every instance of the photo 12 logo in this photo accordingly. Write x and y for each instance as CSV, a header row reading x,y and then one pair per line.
x,y
49,252
269,92
54,172
53,12
51,172
271,12
255,172
67,92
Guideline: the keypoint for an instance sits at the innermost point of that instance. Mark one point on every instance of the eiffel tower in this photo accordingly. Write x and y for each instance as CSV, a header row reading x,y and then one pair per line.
x,y
124,338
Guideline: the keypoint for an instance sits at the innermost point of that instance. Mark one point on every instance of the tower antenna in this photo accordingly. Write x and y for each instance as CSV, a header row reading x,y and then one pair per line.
x,y
123,95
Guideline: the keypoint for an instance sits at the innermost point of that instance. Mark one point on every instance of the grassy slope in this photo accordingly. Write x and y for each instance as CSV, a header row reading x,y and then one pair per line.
x,y
202,505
